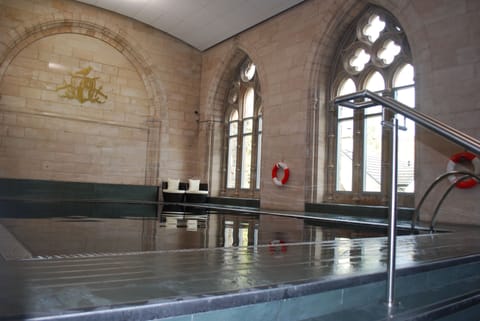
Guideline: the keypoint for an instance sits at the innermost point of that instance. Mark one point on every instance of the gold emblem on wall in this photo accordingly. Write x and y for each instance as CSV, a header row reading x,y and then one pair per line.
x,y
83,88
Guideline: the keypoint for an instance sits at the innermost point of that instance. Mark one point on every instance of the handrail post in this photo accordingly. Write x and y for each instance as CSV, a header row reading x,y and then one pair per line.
x,y
426,121
392,222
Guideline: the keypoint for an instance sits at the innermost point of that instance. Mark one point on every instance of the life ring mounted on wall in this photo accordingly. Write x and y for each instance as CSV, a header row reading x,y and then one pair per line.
x,y
286,173
462,158
277,246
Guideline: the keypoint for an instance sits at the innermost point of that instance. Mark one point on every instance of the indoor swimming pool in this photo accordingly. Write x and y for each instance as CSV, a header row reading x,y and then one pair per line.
x,y
77,236
223,265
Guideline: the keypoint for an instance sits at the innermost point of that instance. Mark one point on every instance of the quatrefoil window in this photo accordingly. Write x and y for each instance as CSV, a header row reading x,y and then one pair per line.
x,y
379,43
359,59
373,28
389,51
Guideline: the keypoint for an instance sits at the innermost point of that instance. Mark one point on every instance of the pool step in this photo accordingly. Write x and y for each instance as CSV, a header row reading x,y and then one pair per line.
x,y
10,247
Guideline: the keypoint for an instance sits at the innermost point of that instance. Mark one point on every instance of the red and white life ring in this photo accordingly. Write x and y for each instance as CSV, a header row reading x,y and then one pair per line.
x,y
459,158
286,173
277,246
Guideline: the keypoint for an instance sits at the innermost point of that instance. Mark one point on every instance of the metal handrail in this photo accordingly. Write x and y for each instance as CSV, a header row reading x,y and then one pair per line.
x,y
416,215
445,194
426,121
452,134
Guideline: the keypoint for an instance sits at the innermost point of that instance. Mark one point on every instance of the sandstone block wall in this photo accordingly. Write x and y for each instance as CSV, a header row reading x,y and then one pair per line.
x,y
148,130
143,133
48,136
293,53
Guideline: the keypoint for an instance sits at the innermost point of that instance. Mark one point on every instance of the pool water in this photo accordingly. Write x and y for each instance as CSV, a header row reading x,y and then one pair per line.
x,y
87,236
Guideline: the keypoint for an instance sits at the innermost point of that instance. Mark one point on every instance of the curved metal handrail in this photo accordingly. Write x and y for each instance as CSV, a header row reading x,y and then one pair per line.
x,y
416,215
442,129
468,142
445,194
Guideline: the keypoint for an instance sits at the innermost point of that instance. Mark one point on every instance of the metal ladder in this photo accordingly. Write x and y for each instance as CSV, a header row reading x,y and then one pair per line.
x,y
365,99
416,216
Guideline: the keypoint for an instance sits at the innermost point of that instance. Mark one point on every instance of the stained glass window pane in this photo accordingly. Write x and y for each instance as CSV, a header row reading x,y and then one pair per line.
x,y
374,27
406,138
372,146
406,157
346,87
375,83
248,71
246,161
247,126
259,151
233,129
248,103
259,159
232,162
389,51
344,155
404,76
359,59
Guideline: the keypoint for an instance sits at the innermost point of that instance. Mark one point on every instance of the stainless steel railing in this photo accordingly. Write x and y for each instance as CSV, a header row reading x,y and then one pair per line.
x,y
450,133
426,121
416,216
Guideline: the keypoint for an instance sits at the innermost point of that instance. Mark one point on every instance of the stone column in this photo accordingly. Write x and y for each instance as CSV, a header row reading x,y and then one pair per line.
x,y
152,166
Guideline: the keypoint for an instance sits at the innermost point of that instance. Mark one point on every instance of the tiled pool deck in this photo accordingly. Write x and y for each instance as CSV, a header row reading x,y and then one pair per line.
x,y
162,284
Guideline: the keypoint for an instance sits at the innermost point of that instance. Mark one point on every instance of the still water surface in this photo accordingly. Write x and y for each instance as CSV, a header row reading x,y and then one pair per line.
x,y
80,235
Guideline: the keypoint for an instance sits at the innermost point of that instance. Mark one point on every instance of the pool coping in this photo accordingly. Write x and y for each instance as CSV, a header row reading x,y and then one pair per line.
x,y
177,306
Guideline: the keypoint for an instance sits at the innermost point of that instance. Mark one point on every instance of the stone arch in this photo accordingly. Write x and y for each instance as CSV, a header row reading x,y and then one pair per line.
x,y
221,81
21,37
215,104
318,63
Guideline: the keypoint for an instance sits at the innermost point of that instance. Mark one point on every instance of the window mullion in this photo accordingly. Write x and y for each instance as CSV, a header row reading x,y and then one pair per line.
x,y
357,154
254,169
386,156
238,177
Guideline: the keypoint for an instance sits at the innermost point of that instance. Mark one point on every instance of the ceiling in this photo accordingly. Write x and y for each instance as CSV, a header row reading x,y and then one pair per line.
x,y
200,23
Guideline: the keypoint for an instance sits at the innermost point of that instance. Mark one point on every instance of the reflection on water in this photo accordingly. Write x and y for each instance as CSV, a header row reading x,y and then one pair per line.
x,y
84,235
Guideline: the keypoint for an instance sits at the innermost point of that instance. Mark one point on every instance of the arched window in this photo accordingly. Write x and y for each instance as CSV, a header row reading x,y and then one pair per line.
x,y
232,149
259,147
404,92
374,55
244,134
372,138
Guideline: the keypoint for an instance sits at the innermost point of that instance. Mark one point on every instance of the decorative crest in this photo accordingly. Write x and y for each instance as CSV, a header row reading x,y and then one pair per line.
x,y
83,88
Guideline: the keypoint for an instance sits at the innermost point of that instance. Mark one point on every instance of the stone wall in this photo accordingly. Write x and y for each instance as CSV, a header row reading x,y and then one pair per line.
x,y
149,131
293,53
49,136
444,40
143,132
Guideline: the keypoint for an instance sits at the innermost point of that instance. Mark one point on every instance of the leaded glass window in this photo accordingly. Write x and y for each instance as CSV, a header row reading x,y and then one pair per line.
x,y
373,55
244,133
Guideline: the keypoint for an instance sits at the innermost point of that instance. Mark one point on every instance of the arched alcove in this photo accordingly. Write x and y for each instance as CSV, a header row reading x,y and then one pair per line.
x,y
319,59
145,91
213,130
